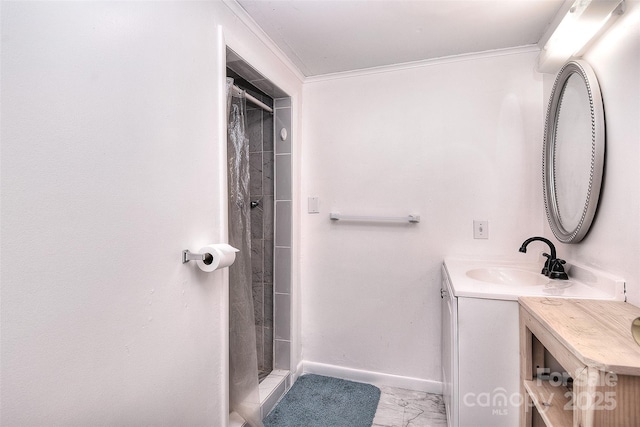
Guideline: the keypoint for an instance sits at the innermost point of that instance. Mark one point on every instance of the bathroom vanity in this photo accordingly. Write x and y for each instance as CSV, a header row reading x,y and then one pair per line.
x,y
599,382
481,333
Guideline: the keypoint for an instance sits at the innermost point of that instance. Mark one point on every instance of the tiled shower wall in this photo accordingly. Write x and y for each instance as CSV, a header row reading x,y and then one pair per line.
x,y
271,186
262,174
283,234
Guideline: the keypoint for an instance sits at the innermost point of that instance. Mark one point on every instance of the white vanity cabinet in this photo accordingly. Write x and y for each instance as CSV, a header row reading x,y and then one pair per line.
x,y
480,334
479,360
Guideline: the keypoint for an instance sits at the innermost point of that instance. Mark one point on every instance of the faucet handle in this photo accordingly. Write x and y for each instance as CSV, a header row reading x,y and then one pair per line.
x,y
556,270
547,264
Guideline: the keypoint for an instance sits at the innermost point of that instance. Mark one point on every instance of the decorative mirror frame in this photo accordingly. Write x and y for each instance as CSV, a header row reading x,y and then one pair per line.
x,y
584,70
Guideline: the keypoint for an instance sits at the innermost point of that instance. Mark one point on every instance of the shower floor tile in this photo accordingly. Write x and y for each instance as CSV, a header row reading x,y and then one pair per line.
x,y
407,408
262,375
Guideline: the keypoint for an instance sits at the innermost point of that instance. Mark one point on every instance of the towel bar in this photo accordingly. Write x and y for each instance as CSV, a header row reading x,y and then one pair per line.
x,y
336,216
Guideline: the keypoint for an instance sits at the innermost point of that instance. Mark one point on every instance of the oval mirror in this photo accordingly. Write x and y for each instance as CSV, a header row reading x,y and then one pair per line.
x,y
573,152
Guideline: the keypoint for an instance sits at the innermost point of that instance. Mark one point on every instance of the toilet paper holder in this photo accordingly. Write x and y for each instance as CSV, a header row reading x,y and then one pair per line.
x,y
187,256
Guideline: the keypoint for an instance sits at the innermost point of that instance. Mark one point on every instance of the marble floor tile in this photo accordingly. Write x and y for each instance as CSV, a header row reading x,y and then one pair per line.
x,y
407,408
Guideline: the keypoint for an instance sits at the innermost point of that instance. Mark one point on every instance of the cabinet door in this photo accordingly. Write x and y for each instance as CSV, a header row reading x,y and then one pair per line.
x,y
489,354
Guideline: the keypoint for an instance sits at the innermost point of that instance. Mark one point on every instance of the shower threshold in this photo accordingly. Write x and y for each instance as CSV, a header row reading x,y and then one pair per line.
x,y
271,389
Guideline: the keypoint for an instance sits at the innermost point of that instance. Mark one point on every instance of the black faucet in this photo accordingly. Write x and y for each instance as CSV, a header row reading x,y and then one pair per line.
x,y
553,267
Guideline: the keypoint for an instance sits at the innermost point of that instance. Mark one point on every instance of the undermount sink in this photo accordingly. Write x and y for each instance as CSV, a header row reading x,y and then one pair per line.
x,y
508,276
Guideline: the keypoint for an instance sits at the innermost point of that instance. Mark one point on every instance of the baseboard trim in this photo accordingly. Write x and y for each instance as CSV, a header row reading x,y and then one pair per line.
x,y
375,378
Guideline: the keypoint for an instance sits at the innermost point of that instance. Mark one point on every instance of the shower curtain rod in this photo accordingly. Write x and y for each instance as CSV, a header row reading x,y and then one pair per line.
x,y
253,100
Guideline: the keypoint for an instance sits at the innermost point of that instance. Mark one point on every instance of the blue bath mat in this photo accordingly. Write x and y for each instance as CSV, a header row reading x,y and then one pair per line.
x,y
318,401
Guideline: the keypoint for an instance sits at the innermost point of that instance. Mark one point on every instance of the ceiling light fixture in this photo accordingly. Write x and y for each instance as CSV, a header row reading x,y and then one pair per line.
x,y
580,26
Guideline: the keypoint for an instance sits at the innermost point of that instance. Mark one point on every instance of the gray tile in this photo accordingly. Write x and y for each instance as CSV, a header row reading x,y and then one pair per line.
x,y
232,56
267,173
257,263
255,174
254,130
268,216
282,355
245,70
282,273
258,303
268,347
268,262
267,308
257,222
283,224
282,319
267,131
260,346
282,102
283,120
267,87
283,177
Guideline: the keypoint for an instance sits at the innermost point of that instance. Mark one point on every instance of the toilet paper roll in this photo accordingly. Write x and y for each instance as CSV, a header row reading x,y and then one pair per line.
x,y
635,329
221,255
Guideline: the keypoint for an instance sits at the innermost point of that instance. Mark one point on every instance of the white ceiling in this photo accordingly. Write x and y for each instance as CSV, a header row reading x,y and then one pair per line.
x,y
329,36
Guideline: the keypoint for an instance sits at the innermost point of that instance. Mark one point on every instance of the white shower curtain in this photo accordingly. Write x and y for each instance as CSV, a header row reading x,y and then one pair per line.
x,y
243,360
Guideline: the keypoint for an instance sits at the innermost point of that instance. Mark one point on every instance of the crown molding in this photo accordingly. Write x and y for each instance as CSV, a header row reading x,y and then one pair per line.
x,y
255,29
253,26
424,63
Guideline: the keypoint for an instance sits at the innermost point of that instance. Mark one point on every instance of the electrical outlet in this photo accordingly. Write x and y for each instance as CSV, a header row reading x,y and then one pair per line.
x,y
480,229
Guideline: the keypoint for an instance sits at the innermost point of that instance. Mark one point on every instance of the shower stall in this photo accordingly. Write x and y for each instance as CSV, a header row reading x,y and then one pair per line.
x,y
257,113
259,173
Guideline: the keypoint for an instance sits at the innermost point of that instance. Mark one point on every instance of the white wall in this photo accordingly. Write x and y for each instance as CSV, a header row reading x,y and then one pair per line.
x,y
452,141
109,170
113,162
246,39
613,243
